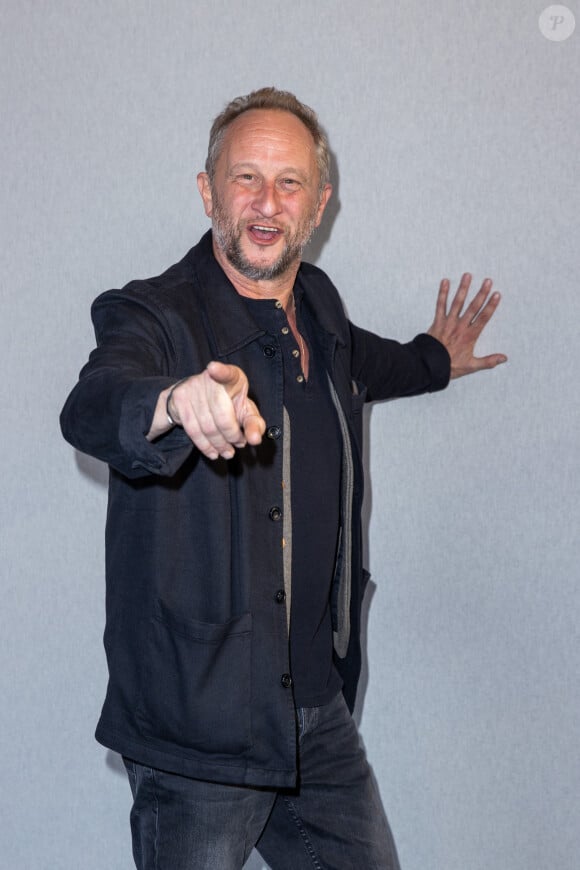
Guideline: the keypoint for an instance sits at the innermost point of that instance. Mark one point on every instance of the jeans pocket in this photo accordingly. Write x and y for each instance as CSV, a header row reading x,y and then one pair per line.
x,y
196,682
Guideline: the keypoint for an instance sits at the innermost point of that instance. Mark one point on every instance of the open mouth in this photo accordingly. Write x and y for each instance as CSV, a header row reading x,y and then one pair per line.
x,y
264,233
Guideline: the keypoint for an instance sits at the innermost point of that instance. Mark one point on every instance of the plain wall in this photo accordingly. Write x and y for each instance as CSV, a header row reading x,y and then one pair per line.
x,y
455,128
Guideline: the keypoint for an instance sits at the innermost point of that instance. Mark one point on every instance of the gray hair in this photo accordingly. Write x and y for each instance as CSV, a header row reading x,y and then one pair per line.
x,y
269,98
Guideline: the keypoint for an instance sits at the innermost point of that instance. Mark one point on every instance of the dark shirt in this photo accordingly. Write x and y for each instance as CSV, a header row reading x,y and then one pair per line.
x,y
315,451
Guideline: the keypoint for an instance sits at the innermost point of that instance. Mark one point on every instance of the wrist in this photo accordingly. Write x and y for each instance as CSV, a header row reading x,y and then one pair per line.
x,y
170,413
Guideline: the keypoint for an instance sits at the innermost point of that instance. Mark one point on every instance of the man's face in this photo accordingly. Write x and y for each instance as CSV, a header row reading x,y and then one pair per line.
x,y
265,199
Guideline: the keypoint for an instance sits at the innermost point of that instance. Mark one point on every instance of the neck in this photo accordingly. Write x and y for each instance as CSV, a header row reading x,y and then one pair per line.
x,y
277,288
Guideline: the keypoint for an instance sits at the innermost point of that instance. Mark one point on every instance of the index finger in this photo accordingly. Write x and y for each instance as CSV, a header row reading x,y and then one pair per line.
x,y
484,312
254,427
478,303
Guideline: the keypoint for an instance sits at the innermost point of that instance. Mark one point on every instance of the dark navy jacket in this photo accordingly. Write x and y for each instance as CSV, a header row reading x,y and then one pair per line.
x,y
196,634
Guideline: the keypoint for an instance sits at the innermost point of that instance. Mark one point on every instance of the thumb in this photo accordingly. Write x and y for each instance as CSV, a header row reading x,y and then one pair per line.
x,y
229,376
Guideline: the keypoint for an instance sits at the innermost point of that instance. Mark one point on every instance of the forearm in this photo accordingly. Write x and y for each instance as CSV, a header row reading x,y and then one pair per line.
x,y
110,417
392,370
115,411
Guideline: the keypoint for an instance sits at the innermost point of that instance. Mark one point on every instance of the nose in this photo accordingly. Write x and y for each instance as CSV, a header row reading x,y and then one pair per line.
x,y
267,201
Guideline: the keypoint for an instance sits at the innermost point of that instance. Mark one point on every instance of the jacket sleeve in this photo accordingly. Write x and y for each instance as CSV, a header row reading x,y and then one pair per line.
x,y
110,410
390,370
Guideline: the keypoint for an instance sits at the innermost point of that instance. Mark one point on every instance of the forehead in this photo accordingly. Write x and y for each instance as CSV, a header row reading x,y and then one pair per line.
x,y
273,136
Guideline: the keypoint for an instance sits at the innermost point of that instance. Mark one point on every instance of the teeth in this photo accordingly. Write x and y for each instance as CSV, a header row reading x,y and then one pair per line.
x,y
265,229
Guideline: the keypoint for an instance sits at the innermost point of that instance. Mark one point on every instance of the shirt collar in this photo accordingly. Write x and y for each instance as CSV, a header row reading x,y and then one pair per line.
x,y
230,319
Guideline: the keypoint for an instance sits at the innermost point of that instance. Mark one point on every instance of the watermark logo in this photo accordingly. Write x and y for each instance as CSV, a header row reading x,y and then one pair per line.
x,y
557,23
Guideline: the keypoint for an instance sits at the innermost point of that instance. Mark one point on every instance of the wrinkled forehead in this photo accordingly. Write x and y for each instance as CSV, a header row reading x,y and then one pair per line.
x,y
270,135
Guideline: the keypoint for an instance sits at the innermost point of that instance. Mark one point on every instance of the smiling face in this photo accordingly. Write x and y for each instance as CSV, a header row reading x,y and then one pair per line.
x,y
265,199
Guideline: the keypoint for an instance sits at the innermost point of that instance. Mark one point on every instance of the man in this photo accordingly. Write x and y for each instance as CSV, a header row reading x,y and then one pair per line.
x,y
226,396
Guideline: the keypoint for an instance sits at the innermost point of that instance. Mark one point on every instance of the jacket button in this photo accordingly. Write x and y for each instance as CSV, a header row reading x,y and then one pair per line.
x,y
286,680
280,596
275,514
274,432
269,350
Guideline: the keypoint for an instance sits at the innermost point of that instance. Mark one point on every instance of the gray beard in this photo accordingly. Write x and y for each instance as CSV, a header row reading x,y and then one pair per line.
x,y
241,264
228,238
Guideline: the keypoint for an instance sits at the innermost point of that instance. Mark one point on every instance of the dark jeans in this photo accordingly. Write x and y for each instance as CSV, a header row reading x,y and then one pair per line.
x,y
334,820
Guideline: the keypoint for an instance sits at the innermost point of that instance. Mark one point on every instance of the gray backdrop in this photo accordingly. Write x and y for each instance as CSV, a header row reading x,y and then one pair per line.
x,y
455,130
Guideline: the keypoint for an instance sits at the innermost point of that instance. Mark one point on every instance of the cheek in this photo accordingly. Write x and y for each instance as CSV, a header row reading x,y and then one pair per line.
x,y
300,211
235,205
312,214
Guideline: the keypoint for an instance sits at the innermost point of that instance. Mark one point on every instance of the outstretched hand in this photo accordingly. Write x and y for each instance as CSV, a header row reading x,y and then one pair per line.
x,y
214,410
458,331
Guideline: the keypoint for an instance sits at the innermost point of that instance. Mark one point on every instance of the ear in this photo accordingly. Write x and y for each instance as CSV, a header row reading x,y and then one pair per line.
x,y
324,197
204,187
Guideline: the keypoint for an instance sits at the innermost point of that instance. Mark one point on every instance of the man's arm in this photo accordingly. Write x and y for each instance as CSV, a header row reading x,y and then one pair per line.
x,y
458,331
118,410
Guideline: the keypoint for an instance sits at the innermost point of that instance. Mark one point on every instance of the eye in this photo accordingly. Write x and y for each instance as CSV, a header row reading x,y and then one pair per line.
x,y
246,178
290,184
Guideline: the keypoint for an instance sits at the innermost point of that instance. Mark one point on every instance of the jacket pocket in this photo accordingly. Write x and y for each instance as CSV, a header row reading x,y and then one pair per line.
x,y
196,682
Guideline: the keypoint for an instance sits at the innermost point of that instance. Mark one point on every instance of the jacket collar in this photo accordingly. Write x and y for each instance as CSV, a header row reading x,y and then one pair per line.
x,y
229,318
326,308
